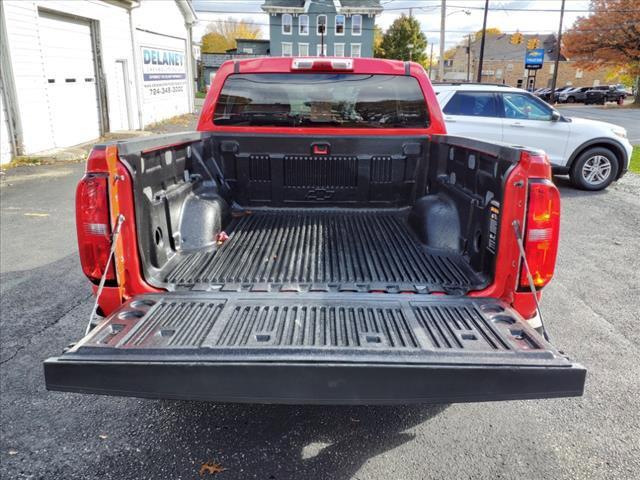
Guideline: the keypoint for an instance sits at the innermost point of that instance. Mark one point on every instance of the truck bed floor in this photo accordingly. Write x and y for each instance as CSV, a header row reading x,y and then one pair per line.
x,y
297,250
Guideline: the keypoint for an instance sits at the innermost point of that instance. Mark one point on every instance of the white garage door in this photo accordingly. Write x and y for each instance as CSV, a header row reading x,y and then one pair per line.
x,y
71,80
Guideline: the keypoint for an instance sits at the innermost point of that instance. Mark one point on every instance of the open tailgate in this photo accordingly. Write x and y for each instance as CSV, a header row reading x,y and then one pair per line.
x,y
346,348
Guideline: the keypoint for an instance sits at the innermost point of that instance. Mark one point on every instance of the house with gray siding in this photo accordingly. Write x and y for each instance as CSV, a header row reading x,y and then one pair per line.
x,y
337,28
245,48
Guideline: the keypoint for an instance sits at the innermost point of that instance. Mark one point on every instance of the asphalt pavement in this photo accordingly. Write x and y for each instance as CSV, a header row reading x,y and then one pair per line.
x,y
592,309
628,118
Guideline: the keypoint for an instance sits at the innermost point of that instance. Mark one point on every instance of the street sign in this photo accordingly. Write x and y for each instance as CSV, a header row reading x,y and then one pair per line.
x,y
534,59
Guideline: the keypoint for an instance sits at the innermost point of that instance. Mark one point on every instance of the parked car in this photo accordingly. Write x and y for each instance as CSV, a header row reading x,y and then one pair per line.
x,y
573,95
595,96
559,91
543,93
320,240
593,153
616,94
606,93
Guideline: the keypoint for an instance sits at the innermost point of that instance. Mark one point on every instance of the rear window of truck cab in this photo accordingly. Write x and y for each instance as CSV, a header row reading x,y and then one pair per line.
x,y
321,100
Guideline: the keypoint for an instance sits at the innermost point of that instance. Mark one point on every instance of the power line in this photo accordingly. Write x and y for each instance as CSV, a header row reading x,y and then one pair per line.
x,y
433,7
505,32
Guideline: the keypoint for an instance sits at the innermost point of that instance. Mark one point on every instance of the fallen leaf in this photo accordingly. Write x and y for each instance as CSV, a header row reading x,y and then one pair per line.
x,y
103,436
211,468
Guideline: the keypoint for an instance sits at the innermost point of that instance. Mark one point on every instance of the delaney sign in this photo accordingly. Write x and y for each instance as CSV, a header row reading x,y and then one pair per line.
x,y
164,72
534,59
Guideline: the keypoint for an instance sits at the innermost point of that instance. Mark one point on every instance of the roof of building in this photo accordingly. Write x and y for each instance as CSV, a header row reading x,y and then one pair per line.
x,y
252,40
284,3
499,47
360,3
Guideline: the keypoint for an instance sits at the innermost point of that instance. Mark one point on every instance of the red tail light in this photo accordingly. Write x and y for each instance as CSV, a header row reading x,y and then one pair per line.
x,y
92,221
542,232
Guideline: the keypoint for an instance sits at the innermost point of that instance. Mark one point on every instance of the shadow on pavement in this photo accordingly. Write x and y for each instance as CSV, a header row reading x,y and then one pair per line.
x,y
278,442
568,190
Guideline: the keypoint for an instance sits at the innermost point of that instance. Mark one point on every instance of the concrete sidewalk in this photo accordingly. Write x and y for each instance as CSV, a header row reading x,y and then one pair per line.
x,y
78,153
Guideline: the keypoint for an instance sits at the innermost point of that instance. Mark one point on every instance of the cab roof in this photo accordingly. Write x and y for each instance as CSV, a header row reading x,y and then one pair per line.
x,y
360,65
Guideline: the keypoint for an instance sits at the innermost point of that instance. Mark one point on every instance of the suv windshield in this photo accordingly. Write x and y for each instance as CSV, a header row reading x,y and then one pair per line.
x,y
321,100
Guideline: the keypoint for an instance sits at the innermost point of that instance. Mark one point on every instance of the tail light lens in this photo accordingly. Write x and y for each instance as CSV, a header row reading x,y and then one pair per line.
x,y
93,224
542,233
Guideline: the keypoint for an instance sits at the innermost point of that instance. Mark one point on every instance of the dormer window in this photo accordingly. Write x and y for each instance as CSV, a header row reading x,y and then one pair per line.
x,y
287,24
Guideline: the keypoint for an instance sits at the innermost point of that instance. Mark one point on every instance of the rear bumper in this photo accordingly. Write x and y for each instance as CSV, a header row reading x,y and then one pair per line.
x,y
290,383
343,348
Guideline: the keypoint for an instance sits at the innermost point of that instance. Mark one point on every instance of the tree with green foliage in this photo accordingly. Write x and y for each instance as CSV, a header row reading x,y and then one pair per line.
x,y
378,36
405,31
221,35
491,32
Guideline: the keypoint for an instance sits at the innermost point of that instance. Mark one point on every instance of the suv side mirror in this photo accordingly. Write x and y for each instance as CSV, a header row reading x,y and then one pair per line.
x,y
555,116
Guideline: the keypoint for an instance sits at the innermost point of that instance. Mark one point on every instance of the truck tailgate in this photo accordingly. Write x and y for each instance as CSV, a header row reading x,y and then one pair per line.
x,y
317,348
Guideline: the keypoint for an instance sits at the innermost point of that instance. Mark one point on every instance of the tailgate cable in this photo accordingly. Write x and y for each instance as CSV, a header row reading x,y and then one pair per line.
x,y
114,237
516,229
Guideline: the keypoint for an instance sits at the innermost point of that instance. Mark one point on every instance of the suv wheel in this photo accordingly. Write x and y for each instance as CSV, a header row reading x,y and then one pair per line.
x,y
571,100
594,169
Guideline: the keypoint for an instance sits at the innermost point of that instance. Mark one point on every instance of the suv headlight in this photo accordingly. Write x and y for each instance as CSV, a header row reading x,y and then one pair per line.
x,y
620,132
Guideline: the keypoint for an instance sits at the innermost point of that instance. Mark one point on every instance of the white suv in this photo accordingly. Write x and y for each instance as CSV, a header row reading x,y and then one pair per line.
x,y
593,153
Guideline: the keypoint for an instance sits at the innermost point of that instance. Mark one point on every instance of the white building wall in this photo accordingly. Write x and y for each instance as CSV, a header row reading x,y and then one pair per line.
x,y
160,27
25,54
5,142
156,22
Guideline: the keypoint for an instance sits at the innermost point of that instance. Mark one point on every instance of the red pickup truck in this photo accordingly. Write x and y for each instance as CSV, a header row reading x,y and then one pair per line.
x,y
319,239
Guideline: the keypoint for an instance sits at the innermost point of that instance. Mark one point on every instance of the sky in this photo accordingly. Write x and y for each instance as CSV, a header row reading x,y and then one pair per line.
x,y
463,16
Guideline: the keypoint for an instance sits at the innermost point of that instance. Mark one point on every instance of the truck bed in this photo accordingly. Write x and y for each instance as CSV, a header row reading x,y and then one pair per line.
x,y
295,250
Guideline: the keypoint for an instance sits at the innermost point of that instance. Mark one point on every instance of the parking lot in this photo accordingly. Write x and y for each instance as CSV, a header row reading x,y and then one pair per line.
x,y
628,118
592,308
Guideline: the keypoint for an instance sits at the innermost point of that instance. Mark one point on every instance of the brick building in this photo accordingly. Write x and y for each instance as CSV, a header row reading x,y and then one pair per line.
x,y
504,63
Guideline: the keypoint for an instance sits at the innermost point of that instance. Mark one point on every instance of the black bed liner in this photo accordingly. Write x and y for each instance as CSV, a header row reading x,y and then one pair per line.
x,y
327,250
315,348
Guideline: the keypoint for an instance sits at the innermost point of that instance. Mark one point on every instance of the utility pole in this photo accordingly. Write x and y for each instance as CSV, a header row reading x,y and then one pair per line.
x,y
484,34
430,61
468,58
559,47
443,18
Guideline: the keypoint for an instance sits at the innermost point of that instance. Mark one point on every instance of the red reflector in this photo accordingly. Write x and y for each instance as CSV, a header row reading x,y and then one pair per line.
x,y
537,164
542,233
322,65
97,160
320,149
93,227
